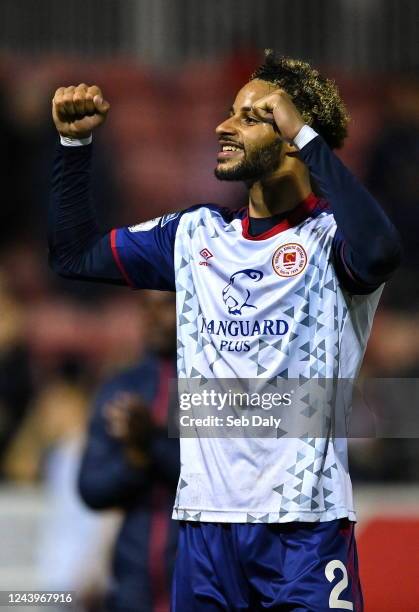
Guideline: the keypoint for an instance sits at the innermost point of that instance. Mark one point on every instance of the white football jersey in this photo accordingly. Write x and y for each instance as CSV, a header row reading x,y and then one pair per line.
x,y
263,307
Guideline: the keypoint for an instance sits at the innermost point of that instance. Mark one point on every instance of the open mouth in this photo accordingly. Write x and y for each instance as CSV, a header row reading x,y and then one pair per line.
x,y
229,150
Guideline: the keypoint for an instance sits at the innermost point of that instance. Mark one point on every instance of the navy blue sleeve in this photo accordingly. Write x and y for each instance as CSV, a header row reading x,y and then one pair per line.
x,y
106,478
366,245
140,256
77,248
145,252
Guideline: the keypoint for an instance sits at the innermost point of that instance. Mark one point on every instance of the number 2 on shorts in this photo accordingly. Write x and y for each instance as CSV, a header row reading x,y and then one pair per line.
x,y
334,601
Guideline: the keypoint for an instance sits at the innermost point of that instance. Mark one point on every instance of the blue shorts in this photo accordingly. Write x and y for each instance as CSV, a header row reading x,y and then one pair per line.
x,y
298,567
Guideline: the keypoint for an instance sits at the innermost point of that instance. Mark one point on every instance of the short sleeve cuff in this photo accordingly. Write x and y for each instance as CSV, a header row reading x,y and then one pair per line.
x,y
304,136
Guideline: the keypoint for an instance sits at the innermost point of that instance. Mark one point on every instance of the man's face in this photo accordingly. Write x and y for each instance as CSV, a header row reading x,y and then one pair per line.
x,y
250,148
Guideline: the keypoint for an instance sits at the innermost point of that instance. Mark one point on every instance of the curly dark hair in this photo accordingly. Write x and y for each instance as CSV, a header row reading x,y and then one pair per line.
x,y
316,97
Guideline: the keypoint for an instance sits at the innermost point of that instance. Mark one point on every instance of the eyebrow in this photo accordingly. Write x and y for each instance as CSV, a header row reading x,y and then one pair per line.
x,y
244,109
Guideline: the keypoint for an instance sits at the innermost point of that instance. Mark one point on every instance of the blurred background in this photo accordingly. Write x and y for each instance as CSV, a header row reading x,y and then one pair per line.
x,y
170,69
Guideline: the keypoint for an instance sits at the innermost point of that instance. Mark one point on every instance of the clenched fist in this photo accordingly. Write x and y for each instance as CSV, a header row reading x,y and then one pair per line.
x,y
77,111
278,107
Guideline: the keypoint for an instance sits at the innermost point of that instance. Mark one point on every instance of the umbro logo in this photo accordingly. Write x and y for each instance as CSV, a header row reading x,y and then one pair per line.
x,y
206,254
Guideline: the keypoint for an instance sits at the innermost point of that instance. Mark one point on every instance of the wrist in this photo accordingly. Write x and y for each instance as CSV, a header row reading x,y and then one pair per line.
x,y
66,141
305,135
295,130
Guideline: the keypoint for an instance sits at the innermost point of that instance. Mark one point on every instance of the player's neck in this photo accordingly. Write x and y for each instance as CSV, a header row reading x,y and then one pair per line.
x,y
273,197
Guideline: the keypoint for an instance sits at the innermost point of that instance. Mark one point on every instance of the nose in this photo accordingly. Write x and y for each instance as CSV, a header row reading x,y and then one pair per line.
x,y
226,127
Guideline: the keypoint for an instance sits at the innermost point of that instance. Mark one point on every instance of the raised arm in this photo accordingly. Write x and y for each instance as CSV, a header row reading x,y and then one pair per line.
x,y
77,249
366,246
141,257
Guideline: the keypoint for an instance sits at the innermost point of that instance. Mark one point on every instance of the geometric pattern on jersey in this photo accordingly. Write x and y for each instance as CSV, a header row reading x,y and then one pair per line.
x,y
241,316
310,481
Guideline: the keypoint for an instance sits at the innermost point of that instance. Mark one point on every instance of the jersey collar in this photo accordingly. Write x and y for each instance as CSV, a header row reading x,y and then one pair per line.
x,y
292,218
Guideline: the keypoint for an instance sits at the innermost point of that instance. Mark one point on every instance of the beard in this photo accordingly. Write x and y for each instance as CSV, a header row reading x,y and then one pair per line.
x,y
254,166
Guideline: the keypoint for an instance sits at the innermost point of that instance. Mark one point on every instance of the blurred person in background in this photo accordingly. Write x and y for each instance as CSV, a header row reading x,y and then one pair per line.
x,y
129,463
71,551
16,380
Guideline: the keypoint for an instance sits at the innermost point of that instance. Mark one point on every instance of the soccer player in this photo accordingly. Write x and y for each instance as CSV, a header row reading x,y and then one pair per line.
x,y
285,287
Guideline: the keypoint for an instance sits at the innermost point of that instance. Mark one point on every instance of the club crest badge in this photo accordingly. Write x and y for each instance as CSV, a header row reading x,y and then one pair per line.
x,y
289,260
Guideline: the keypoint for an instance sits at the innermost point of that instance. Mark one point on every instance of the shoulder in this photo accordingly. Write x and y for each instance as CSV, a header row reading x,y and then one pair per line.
x,y
322,217
209,219
169,223
209,211
319,222
322,210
